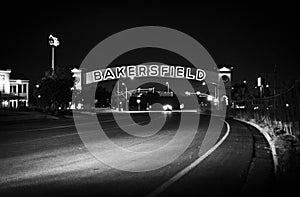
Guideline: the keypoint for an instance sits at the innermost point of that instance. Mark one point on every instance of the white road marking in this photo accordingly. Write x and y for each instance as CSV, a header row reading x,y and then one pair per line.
x,y
186,170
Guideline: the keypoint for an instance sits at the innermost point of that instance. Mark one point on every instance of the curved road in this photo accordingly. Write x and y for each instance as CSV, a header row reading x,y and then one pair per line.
x,y
48,158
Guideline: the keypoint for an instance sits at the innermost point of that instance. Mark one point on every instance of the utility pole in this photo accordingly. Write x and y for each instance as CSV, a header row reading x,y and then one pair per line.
x,y
126,96
274,90
118,95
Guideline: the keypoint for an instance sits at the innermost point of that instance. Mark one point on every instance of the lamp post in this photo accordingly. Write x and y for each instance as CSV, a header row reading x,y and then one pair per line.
x,y
216,95
168,85
138,102
118,95
126,97
118,91
53,41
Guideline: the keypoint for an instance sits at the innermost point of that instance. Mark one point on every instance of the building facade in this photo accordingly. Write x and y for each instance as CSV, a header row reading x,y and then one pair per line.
x,y
14,93
224,75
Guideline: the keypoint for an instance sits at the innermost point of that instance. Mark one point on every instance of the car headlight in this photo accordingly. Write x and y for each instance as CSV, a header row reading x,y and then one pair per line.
x,y
167,107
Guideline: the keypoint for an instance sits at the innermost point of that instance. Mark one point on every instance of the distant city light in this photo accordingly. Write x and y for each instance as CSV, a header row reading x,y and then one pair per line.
x,y
187,93
287,105
181,106
244,81
267,85
210,97
167,107
203,83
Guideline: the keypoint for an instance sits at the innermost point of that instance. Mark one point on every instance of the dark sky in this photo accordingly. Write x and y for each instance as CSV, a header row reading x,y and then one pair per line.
x,y
252,37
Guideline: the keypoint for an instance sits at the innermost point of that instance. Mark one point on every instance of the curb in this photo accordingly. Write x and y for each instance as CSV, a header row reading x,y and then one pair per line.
x,y
268,138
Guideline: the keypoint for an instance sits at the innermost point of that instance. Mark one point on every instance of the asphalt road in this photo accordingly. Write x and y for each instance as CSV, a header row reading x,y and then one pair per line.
x,y
48,158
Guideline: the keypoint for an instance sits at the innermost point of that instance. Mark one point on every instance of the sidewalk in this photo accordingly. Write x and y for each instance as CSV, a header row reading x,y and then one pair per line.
x,y
14,116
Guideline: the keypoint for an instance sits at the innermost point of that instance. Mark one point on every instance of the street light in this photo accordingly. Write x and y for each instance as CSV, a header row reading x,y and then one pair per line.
x,y
168,85
210,97
138,102
215,84
118,91
126,97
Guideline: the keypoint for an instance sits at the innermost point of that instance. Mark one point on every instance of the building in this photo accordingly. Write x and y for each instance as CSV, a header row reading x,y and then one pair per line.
x,y
77,99
225,75
77,75
14,93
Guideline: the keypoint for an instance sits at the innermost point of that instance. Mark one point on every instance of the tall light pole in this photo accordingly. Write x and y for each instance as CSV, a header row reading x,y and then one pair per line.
x,y
168,85
126,97
216,94
215,85
118,91
139,106
118,95
53,41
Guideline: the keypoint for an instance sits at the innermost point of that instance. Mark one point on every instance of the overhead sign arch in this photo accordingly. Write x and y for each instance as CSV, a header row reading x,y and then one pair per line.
x,y
133,71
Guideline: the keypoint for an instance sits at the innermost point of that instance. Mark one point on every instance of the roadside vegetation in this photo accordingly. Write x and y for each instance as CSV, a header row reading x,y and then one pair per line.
x,y
284,136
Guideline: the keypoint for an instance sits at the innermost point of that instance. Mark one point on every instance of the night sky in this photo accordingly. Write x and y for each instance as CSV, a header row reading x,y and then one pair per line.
x,y
251,37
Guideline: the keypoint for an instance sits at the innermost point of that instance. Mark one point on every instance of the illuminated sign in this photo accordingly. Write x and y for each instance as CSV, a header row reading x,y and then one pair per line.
x,y
53,41
145,71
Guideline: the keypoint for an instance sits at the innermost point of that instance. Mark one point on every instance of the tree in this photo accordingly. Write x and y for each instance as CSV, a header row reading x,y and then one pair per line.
x,y
102,96
55,91
240,94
